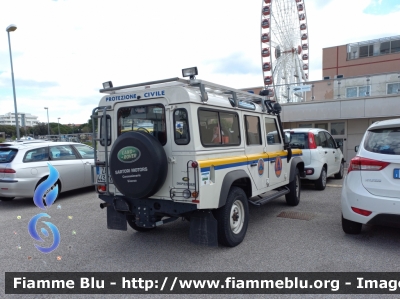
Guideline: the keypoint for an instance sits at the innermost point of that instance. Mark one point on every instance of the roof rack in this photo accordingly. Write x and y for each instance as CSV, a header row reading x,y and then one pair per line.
x,y
238,98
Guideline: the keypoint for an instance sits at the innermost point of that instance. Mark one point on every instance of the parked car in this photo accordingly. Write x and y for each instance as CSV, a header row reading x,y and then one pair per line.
x,y
371,189
23,166
322,156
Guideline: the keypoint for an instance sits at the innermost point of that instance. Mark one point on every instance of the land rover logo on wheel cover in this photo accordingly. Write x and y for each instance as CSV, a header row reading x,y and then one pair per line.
x,y
128,154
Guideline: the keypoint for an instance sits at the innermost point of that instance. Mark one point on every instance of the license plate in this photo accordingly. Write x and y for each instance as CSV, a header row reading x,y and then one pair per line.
x,y
396,173
101,177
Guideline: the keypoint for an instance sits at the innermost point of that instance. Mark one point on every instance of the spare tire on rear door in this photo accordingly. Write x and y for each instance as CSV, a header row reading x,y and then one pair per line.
x,y
138,164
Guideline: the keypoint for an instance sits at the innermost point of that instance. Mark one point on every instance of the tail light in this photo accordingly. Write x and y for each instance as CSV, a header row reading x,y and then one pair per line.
x,y
361,211
101,188
311,141
360,163
7,170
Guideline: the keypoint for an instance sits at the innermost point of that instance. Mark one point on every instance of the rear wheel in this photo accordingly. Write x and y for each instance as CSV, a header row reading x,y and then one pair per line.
x,y
339,175
351,227
233,218
131,219
293,197
320,184
6,198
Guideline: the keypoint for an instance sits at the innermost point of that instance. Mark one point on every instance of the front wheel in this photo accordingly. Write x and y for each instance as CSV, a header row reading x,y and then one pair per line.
x,y
131,219
233,218
293,197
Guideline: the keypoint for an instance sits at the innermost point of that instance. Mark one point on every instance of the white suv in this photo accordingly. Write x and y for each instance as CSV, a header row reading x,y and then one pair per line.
x,y
321,155
371,189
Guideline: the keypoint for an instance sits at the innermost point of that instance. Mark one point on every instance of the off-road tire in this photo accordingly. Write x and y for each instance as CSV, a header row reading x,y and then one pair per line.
x,y
351,227
293,197
233,218
320,184
339,175
131,220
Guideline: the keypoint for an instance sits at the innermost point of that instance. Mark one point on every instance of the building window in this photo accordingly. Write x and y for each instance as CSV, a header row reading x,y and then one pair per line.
x,y
322,126
305,126
393,88
358,91
366,51
337,128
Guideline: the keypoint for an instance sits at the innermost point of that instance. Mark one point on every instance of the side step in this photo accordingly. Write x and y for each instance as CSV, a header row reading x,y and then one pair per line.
x,y
264,200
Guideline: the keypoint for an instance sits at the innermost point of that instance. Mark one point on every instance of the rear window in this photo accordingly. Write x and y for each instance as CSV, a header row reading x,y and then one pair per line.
x,y
7,154
383,141
299,140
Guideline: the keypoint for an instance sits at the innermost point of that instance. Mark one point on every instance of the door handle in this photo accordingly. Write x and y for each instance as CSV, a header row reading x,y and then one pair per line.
x,y
334,152
272,161
326,152
254,164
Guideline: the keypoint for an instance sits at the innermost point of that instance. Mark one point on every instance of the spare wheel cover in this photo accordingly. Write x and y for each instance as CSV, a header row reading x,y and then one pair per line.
x,y
138,164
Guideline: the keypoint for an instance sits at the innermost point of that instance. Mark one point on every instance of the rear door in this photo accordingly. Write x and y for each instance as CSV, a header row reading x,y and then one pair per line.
x,y
277,157
334,155
69,166
300,140
86,154
254,149
149,117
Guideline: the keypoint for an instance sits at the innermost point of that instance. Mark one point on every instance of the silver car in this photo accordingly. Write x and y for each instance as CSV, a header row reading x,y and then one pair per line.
x,y
24,166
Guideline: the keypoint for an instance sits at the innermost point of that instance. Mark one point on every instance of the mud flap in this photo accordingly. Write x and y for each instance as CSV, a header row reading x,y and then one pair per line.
x,y
203,229
115,219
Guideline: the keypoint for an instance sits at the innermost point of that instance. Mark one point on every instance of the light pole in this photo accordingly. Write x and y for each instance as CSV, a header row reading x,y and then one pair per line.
x,y
10,29
48,125
59,135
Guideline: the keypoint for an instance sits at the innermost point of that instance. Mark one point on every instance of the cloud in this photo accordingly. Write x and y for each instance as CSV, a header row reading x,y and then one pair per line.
x,y
382,7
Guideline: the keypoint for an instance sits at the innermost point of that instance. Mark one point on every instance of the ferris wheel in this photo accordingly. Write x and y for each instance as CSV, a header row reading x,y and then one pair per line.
x,y
284,49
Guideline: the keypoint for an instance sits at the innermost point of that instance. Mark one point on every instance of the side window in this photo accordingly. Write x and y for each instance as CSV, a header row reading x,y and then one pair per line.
x,y
323,140
218,128
181,126
108,130
330,141
85,151
253,134
38,154
62,152
317,140
271,130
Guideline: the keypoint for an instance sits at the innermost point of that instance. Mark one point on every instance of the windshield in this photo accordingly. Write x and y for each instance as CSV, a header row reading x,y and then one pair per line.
x,y
7,154
149,119
383,141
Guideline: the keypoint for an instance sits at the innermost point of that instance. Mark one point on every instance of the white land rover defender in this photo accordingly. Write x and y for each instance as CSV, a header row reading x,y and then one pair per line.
x,y
191,149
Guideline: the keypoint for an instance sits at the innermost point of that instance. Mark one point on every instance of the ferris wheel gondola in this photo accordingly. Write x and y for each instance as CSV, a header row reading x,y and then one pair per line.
x,y
284,48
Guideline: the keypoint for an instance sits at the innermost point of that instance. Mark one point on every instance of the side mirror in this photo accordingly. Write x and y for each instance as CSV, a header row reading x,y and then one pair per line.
x,y
287,137
356,148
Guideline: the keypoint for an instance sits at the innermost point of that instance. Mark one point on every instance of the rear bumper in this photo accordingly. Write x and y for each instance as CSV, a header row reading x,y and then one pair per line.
x,y
385,210
17,187
148,211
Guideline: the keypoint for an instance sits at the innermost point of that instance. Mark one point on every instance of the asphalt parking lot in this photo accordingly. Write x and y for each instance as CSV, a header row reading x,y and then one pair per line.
x,y
273,243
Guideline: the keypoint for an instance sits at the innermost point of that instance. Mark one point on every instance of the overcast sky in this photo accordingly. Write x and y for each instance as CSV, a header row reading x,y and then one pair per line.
x,y
64,50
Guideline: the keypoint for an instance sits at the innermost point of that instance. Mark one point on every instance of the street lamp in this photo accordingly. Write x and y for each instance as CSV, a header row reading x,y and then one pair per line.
x,y
59,135
10,29
48,125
